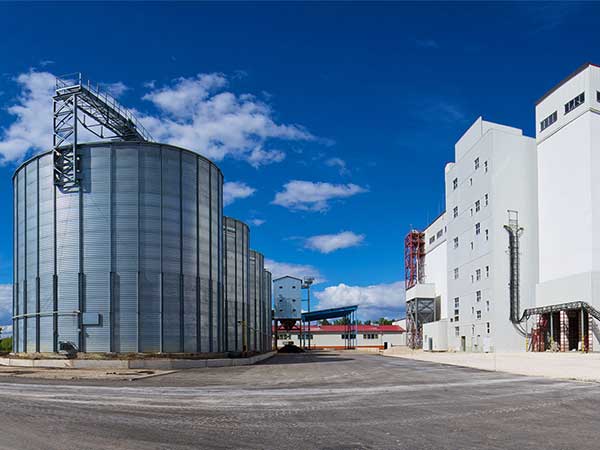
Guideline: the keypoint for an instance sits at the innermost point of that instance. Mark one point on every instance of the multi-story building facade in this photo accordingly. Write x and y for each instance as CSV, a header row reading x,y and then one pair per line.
x,y
494,172
568,137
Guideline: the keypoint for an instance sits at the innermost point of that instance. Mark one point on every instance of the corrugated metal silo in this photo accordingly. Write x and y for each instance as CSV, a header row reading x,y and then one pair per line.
x,y
131,261
257,267
267,316
236,235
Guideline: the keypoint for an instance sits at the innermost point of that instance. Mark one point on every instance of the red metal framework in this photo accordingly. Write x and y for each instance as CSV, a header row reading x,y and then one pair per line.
x,y
414,256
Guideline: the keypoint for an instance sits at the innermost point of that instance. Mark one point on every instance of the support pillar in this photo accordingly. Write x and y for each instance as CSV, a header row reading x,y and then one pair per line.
x,y
564,332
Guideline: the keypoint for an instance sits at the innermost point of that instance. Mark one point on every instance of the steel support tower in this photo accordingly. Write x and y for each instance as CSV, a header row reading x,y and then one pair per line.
x,y
80,103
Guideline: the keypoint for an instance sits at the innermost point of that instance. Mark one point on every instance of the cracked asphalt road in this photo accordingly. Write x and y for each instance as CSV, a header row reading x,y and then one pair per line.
x,y
323,400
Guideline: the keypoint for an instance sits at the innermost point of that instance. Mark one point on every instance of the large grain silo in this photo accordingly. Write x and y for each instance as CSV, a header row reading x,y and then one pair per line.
x,y
267,316
128,261
257,279
236,262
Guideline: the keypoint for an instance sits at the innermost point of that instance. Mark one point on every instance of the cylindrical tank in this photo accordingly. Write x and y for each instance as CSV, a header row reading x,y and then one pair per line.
x,y
236,236
129,261
268,319
256,275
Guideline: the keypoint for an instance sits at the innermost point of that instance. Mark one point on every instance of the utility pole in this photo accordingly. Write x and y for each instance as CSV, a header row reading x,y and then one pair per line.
x,y
308,281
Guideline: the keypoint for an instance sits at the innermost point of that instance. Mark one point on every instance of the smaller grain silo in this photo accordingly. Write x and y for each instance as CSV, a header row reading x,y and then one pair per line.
x,y
268,312
257,279
236,235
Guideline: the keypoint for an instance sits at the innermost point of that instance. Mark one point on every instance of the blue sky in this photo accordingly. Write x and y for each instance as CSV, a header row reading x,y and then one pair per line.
x,y
332,122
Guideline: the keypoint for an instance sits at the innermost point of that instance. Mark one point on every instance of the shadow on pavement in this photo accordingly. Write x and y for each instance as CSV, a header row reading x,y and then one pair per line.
x,y
304,358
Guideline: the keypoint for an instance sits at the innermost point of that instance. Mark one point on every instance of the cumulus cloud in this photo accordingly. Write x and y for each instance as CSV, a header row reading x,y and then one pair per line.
x,y
340,164
281,269
309,196
327,243
198,113
374,301
115,89
5,305
232,190
32,127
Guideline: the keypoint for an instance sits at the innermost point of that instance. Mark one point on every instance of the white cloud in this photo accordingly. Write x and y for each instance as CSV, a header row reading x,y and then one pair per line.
x,y
232,190
115,89
281,269
5,304
375,301
327,243
195,113
32,128
340,164
257,222
198,113
309,196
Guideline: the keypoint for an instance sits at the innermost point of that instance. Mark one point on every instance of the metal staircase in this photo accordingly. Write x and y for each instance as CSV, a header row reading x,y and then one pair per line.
x,y
80,103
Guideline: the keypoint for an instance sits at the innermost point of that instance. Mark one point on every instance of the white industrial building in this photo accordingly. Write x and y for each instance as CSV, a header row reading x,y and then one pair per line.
x,y
523,232
365,337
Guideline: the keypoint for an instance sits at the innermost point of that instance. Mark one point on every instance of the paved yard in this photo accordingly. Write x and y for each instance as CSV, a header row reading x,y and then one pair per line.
x,y
322,400
565,366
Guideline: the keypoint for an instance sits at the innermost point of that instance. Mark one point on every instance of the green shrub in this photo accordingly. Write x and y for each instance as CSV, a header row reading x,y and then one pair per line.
x,y
6,344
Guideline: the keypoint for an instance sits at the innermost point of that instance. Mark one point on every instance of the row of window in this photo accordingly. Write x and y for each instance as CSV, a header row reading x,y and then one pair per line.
x,y
488,329
438,235
476,276
486,202
569,106
477,233
476,164
478,297
344,336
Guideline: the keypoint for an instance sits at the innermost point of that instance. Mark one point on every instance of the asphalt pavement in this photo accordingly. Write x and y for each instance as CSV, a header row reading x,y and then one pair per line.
x,y
322,400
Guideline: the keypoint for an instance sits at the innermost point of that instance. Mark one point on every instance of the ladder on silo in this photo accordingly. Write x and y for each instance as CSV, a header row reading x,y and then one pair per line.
x,y
78,103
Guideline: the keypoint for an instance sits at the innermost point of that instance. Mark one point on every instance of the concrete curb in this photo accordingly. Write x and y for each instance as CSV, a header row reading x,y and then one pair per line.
x,y
118,364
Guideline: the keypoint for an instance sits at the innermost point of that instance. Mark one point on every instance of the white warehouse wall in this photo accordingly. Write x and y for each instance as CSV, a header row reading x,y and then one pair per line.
x,y
436,267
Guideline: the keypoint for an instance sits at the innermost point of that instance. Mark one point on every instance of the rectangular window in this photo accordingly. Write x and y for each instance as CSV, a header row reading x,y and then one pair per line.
x,y
472,245
487,305
455,212
472,278
487,235
478,274
486,200
598,96
470,181
471,212
456,273
455,183
456,331
455,242
485,166
456,302
478,296
477,228
572,104
432,239
487,327
439,234
477,206
548,121
487,271
478,314
476,162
